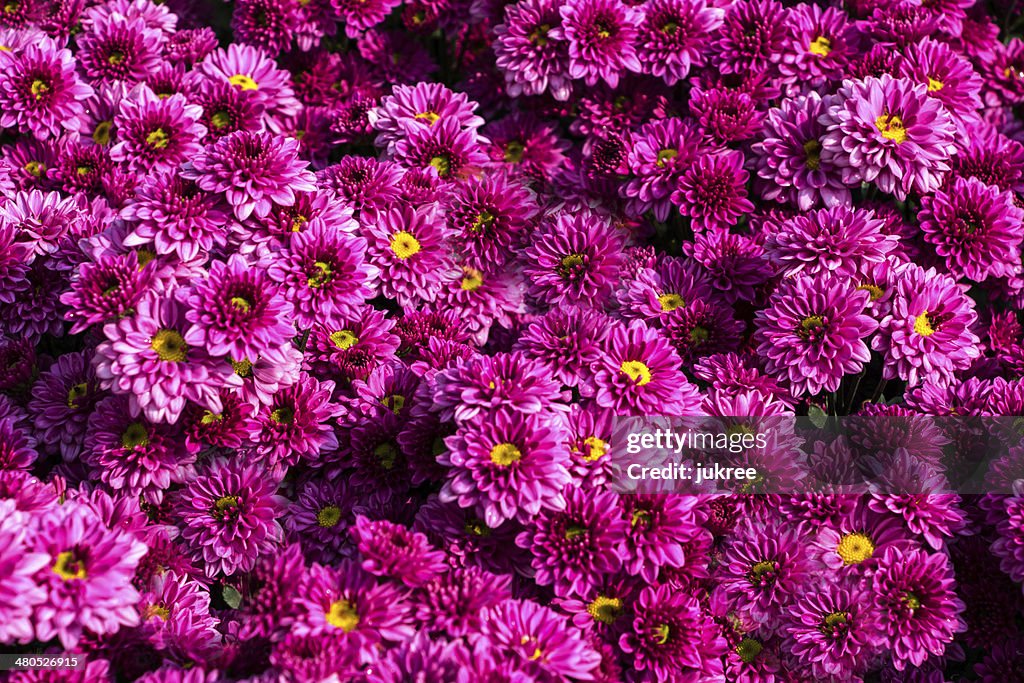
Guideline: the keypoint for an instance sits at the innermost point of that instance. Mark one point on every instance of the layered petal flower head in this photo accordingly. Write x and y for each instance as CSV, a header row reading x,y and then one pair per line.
x,y
156,134
601,38
41,93
889,132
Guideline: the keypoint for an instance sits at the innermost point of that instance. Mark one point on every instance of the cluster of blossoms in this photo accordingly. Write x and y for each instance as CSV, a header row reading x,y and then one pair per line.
x,y
318,318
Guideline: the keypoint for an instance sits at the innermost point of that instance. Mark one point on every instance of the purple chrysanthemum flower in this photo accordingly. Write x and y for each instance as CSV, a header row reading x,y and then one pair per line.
x,y
838,241
568,339
976,229
790,167
229,515
347,601
19,593
392,550
536,637
818,46
40,92
421,106
920,610
487,217
323,274
660,153
367,184
253,170
509,466
574,258
150,347
132,455
575,548
320,518
155,134
949,77
119,48
654,292
725,115
533,60
601,36
105,291
227,109
752,37
88,576
41,220
813,332
452,151
482,300
888,131
660,528
410,249
712,191
250,70
266,24
62,400
640,374
835,630
671,638
237,311
295,424
671,37
763,569
357,15
502,383
227,429
928,335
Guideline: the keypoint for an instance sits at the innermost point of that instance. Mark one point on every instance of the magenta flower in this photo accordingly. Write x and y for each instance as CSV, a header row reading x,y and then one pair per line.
x,y
40,92
671,37
601,37
155,134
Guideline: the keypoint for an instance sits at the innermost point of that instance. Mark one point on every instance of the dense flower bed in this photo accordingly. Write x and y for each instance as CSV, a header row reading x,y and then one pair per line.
x,y
316,317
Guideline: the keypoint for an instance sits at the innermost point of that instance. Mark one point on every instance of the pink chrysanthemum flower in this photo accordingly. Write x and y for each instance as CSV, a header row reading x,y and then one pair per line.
x,y
119,48
409,246
712,191
639,374
296,423
156,134
394,551
149,347
237,311
888,131
532,60
421,106
928,335
323,273
40,92
253,170
229,512
601,37
88,577
672,35
251,71
819,46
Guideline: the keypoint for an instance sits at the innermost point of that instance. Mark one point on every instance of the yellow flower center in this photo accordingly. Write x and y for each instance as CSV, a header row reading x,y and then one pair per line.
x,y
240,304
855,548
209,417
169,346
404,245
636,371
476,527
571,261
443,165
935,85
387,455
134,436
812,154
144,256
504,454
158,139
39,88
820,46
220,120
243,368
748,650
69,566
669,28
159,611
394,403
244,82
328,516
604,609
483,221
77,392
699,335
35,168
539,36
514,152
284,415
663,632
640,517
116,58
343,615
666,155
472,279
874,291
595,448
670,301
322,276
891,128
344,339
101,134
911,600
834,621
430,117
923,325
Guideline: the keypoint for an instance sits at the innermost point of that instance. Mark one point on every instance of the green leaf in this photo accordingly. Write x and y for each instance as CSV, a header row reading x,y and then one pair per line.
x,y
231,596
